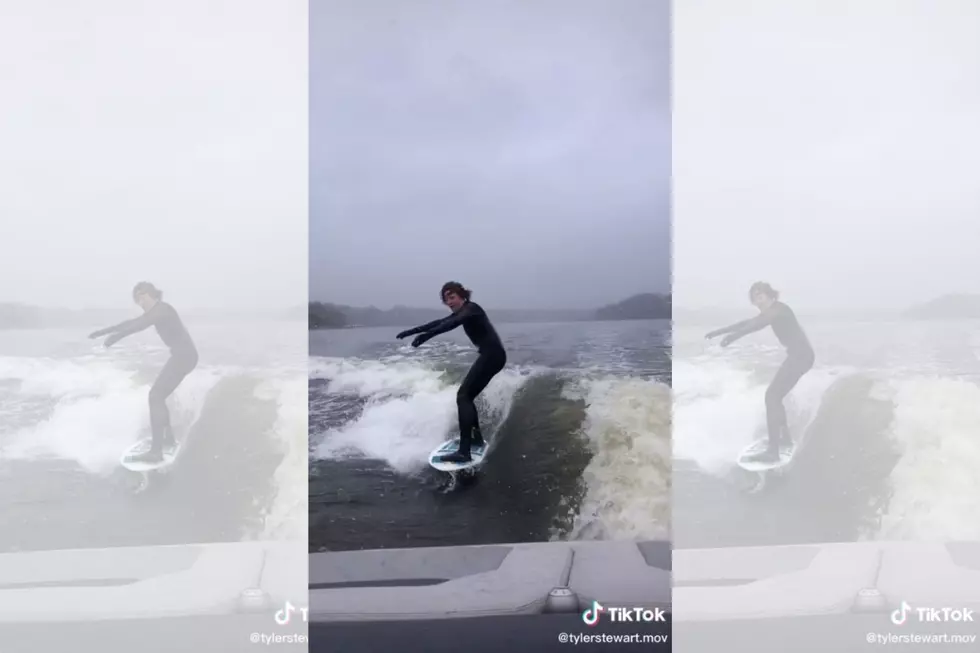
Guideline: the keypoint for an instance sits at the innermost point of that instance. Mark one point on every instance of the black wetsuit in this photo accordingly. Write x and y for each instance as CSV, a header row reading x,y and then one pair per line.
x,y
490,361
799,360
183,359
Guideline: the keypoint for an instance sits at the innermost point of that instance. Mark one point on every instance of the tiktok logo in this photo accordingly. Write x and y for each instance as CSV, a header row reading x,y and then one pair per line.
x,y
283,616
931,615
591,617
901,615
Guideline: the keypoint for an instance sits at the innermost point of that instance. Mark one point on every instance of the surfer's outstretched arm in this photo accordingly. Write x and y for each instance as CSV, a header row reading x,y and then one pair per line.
x,y
743,328
127,328
446,324
434,328
449,323
422,329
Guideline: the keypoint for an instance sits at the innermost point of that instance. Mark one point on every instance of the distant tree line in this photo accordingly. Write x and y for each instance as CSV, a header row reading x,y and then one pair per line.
x,y
19,316
648,306
326,316
24,316
947,307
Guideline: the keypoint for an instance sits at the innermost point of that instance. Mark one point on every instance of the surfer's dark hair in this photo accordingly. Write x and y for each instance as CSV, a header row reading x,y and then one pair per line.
x,y
456,288
147,288
763,288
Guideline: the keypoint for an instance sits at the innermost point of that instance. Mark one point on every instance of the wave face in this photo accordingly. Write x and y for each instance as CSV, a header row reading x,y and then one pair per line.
x,y
889,413
578,425
69,408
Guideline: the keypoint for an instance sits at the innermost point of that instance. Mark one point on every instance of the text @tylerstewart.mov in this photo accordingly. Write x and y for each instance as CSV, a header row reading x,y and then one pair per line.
x,y
268,639
885,638
608,638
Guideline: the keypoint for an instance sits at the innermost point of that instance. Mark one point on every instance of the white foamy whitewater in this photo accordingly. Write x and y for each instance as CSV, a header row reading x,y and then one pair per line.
x,y
909,389
69,408
591,443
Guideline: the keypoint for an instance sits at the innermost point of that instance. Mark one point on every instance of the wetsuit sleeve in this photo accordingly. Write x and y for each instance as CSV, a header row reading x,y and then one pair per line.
x,y
425,327
449,323
129,327
744,328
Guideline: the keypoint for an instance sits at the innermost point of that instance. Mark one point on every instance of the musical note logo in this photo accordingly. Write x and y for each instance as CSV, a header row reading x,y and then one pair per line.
x,y
902,614
591,617
284,615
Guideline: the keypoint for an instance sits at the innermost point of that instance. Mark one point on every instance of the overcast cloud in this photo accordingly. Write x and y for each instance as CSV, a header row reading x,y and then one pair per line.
x,y
159,141
522,148
830,148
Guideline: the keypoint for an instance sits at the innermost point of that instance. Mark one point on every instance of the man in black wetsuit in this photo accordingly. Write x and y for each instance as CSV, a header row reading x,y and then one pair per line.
x,y
799,360
183,359
490,361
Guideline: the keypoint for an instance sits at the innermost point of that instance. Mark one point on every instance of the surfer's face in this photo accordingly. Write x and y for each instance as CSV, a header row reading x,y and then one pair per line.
x,y
144,301
452,300
762,301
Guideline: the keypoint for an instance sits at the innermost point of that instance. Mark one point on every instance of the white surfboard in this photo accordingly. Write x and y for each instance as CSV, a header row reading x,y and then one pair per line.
x,y
786,455
141,446
450,446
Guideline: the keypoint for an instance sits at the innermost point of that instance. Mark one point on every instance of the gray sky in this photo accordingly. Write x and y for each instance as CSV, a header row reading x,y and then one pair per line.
x,y
522,148
159,141
831,148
